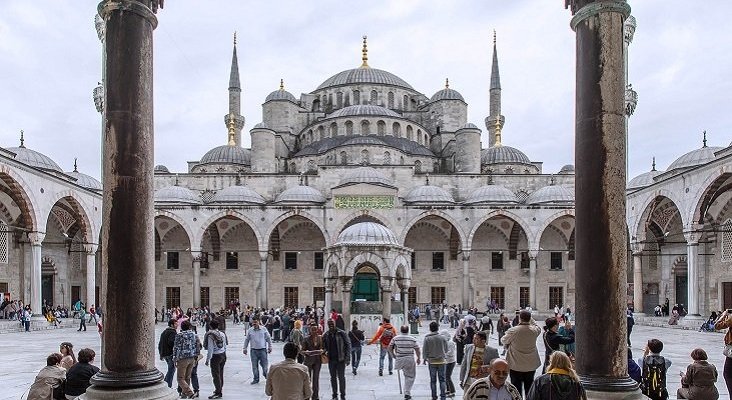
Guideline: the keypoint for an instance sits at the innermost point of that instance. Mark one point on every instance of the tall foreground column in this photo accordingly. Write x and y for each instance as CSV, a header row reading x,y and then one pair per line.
x,y
36,300
127,209
601,234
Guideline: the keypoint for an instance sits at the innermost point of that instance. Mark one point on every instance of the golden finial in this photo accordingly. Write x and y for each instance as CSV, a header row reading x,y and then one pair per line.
x,y
232,130
653,165
282,84
447,83
75,169
498,132
234,38
365,53
705,139
21,139
494,37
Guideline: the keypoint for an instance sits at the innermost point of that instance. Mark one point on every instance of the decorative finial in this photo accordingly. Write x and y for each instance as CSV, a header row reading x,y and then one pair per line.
x,y
282,84
427,180
176,179
494,37
705,139
552,181
75,168
447,83
22,140
498,132
234,38
490,177
302,177
232,130
238,178
653,166
365,53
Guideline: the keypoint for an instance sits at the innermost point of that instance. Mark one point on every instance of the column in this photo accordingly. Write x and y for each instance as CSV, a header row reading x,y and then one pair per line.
x,y
91,274
600,178
328,298
637,282
466,278
263,256
386,283
346,300
36,300
196,278
692,267
405,299
128,253
532,279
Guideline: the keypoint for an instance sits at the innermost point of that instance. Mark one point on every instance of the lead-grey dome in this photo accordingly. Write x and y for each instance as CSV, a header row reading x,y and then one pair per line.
x,y
161,168
447,94
280,94
300,195
367,233
643,180
238,194
176,194
227,154
261,125
470,125
567,170
429,195
365,110
34,158
365,175
694,158
552,194
503,155
491,194
364,75
85,180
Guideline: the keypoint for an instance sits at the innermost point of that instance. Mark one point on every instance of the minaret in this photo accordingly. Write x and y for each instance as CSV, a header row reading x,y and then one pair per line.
x,y
494,122
235,98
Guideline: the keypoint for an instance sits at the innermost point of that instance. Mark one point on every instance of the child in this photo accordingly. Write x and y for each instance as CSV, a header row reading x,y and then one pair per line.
x,y
654,367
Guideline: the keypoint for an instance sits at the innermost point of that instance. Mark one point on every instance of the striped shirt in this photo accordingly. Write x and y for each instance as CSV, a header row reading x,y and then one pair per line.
x,y
403,345
483,389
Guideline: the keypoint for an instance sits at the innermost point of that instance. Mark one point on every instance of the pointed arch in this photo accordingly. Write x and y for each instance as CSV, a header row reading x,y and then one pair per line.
x,y
360,216
201,231
649,205
289,214
370,258
536,239
80,208
180,221
439,213
711,189
496,213
30,215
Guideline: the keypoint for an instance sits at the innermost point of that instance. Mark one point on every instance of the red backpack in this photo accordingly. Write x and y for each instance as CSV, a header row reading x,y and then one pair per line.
x,y
386,336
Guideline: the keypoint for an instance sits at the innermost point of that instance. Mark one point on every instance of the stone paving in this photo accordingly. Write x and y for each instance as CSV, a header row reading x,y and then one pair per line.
x,y
25,353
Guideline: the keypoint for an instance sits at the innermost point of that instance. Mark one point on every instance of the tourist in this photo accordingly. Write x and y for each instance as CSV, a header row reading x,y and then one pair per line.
x,y
337,348
699,381
261,345
67,350
494,386
296,337
288,380
502,325
357,339
165,349
477,359
449,363
49,381
384,335
559,382
724,321
186,349
434,351
674,320
653,371
552,338
312,349
26,317
631,322
523,356
215,341
82,319
486,324
403,348
459,339
77,379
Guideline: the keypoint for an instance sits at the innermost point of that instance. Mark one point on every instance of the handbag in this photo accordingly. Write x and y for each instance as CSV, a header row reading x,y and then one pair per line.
x,y
727,351
323,358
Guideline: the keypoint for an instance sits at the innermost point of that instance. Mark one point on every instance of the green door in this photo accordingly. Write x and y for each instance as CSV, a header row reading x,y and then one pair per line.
x,y
365,287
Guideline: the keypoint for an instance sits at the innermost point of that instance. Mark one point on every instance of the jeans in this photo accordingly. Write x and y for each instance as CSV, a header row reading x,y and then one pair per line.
x,y
450,386
355,357
437,371
259,357
383,352
82,323
194,376
337,370
522,380
217,371
728,373
171,371
314,372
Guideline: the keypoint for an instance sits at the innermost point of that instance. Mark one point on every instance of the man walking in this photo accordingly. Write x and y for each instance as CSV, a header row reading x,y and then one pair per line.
x,y
403,348
215,342
337,348
477,360
384,335
82,319
261,344
435,348
288,380
523,356
165,349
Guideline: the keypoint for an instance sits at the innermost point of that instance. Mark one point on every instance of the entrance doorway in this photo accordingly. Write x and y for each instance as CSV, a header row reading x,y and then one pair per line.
x,y
726,295
46,291
681,290
365,284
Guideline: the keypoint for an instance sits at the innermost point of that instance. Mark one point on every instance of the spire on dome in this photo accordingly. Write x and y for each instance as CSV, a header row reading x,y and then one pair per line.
x,y
365,53
447,83
427,180
653,165
22,140
704,141
282,84
75,167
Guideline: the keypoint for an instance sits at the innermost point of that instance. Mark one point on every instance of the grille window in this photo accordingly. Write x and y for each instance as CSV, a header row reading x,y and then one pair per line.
x,y
727,241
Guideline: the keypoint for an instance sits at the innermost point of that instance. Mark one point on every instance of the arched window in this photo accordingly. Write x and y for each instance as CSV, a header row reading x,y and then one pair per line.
x,y
316,105
308,138
387,158
419,136
365,127
356,97
390,100
409,132
396,129
312,166
405,103
349,128
365,157
321,132
727,241
374,97
347,101
339,99
401,160
293,169
329,104
418,167
333,129
4,243
436,167
381,128
344,158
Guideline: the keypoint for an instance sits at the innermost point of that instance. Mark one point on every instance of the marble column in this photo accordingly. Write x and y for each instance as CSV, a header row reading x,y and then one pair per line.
x,y
466,278
36,299
600,178
532,279
128,252
263,257
328,298
637,282
405,299
346,301
386,284
692,267
91,274
196,255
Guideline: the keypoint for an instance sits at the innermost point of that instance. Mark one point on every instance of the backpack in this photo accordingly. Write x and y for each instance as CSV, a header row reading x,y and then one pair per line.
x,y
386,336
653,378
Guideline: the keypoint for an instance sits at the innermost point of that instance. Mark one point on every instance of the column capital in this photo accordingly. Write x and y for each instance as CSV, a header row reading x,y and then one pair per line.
x,y
692,238
636,248
533,254
465,254
386,283
36,238
263,255
590,10
143,8
90,248
346,283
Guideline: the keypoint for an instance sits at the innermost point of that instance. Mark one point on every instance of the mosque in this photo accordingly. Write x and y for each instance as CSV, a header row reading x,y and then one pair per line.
x,y
365,192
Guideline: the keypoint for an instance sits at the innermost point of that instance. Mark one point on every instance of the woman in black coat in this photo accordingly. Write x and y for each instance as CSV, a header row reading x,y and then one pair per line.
x,y
552,339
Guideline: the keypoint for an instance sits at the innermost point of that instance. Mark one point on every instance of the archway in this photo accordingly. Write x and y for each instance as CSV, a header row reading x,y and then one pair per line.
x,y
366,284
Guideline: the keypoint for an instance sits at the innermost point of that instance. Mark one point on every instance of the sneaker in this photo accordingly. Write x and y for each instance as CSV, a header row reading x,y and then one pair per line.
x,y
391,373
381,373
215,396
195,394
407,397
253,382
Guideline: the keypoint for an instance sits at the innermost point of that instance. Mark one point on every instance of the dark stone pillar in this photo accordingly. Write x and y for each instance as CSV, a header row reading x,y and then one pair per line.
x,y
600,199
127,208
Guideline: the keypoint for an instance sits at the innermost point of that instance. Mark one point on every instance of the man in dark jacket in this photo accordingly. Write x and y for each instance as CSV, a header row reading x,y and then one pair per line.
x,y
77,379
552,339
165,348
338,349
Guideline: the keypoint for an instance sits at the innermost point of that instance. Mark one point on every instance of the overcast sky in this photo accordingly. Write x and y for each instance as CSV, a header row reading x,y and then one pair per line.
x,y
50,60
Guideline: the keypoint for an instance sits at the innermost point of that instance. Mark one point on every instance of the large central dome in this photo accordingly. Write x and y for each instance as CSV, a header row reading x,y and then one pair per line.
x,y
364,75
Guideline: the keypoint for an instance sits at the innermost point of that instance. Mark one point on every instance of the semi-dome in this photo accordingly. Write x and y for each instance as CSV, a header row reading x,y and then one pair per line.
x,y
364,110
550,195
367,233
643,180
694,158
428,195
447,94
227,154
491,194
364,75
161,168
261,125
238,194
280,94
503,155
176,194
34,158
470,125
85,180
365,175
567,170
299,195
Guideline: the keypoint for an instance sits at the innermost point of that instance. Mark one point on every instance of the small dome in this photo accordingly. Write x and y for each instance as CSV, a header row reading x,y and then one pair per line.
x,y
367,233
280,94
567,170
85,180
227,155
261,125
643,180
491,194
470,125
238,194
34,159
428,194
300,194
176,194
365,110
503,155
551,194
365,175
694,158
364,75
161,168
447,94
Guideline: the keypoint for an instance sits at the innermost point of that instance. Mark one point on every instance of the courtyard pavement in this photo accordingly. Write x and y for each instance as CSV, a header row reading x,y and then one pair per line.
x,y
25,354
